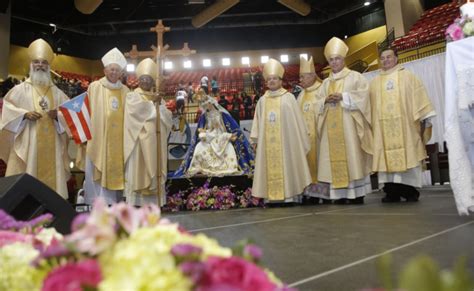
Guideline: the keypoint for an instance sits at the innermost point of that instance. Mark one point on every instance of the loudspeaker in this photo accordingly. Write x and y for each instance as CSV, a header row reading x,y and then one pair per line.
x,y
24,197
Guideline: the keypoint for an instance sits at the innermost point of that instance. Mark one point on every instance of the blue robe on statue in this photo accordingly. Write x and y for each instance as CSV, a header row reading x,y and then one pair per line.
x,y
243,150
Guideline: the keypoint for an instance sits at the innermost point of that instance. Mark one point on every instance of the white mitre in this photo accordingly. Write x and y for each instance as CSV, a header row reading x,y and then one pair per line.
x,y
114,56
468,9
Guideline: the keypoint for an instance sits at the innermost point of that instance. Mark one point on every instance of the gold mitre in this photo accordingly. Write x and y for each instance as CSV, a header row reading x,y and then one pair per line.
x,y
40,50
273,67
146,67
114,56
306,66
335,46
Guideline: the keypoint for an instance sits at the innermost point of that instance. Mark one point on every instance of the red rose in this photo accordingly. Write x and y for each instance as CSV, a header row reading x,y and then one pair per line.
x,y
232,274
73,277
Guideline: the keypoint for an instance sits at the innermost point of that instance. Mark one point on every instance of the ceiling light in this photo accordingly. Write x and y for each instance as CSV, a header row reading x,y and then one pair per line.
x,y
226,62
206,63
187,64
212,12
264,59
304,56
245,61
284,58
366,3
168,65
298,6
130,68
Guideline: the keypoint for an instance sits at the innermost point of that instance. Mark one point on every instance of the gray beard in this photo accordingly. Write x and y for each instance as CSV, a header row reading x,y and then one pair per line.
x,y
40,78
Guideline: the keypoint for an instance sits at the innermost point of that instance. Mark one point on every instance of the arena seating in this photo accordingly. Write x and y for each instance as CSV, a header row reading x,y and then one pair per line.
x,y
429,28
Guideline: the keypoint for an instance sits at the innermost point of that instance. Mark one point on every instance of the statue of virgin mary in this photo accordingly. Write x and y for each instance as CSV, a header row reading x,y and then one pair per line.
x,y
219,147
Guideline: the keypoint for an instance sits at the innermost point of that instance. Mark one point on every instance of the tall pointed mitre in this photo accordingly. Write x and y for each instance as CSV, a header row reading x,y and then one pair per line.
x,y
146,67
335,46
40,50
114,56
273,67
306,66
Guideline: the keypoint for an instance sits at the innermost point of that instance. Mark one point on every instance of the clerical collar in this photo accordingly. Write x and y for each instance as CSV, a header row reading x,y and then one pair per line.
x,y
109,85
388,72
276,93
313,87
340,75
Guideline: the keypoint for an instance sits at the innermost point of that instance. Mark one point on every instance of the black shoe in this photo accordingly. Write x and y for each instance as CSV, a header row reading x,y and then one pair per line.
x,y
358,200
326,201
341,201
413,198
390,199
309,200
312,200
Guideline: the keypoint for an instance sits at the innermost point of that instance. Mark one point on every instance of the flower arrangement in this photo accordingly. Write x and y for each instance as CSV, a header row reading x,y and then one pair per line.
x,y
423,273
216,198
124,248
461,28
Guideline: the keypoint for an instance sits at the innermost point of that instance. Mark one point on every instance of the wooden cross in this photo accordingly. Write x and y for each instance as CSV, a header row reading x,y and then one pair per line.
x,y
160,51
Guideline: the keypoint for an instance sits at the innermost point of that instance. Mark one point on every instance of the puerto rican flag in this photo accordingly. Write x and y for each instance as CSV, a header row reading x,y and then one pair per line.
x,y
76,116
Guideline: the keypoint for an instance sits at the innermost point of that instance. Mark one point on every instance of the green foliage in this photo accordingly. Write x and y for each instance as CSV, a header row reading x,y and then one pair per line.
x,y
422,273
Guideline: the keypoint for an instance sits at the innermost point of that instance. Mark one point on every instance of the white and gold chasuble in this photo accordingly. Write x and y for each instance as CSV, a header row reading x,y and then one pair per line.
x,y
399,104
346,141
39,147
307,101
279,130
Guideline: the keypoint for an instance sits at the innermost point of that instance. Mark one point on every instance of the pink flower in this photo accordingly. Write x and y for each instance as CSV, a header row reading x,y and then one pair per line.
x,y
9,237
194,270
226,274
186,252
150,215
127,216
55,249
253,252
98,232
74,277
79,221
454,31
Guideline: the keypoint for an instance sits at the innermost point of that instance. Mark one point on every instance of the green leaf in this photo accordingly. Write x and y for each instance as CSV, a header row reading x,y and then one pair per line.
x,y
459,279
384,270
421,274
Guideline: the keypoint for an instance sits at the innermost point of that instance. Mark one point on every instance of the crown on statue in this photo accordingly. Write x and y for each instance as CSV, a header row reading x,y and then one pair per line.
x,y
200,96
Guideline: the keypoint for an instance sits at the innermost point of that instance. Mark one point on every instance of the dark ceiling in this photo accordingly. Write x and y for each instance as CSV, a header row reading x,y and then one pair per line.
x,y
251,24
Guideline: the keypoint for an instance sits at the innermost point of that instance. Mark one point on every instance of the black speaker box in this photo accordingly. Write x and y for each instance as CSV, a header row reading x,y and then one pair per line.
x,y
24,197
